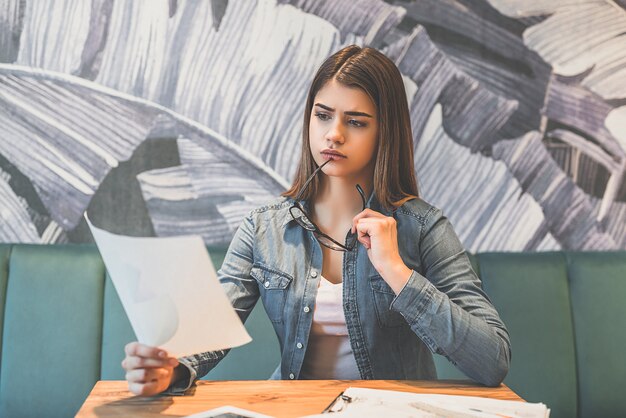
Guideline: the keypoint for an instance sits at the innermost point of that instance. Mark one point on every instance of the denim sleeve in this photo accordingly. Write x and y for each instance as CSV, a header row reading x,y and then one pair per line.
x,y
242,291
447,308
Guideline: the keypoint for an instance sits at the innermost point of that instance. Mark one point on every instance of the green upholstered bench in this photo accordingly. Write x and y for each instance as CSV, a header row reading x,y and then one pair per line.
x,y
565,312
63,328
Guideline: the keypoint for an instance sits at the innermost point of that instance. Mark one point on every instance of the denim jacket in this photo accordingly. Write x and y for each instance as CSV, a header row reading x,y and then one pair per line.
x,y
442,308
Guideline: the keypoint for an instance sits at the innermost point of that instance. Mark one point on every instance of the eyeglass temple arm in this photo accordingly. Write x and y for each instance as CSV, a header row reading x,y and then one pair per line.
x,y
362,193
306,183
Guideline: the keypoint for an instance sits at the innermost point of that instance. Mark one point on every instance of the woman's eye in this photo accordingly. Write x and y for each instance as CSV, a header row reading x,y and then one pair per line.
x,y
356,123
322,116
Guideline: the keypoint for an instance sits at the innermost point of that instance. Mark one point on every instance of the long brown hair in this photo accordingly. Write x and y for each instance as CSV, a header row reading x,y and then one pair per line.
x,y
375,74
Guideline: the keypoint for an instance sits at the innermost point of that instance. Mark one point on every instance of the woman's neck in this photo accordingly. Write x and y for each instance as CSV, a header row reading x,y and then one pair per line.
x,y
338,201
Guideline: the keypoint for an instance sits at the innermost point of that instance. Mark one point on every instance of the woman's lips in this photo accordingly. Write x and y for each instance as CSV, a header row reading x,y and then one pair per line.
x,y
332,156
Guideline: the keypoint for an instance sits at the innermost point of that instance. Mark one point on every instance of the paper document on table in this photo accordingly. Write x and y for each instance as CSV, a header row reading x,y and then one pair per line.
x,y
228,412
364,403
170,292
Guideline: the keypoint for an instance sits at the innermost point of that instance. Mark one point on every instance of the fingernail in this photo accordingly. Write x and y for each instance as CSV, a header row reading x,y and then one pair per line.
x,y
161,353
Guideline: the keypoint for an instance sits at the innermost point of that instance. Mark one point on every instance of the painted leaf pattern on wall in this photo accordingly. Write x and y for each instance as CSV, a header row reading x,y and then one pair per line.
x,y
174,117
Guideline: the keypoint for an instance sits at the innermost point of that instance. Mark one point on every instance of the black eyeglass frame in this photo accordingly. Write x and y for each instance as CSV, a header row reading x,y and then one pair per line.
x,y
311,226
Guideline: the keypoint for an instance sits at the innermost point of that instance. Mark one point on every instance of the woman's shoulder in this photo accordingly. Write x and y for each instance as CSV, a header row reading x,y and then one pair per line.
x,y
419,209
271,214
271,207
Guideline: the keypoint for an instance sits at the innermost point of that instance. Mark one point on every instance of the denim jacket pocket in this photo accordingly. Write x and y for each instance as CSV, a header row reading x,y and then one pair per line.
x,y
273,285
383,296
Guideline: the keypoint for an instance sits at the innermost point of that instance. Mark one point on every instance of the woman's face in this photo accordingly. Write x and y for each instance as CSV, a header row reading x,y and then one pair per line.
x,y
343,120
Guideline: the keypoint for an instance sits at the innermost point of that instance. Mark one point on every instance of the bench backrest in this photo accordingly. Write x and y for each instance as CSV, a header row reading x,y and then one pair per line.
x,y
62,328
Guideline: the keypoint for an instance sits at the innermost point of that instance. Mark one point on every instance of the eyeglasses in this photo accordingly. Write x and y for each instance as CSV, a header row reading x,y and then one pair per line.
x,y
299,215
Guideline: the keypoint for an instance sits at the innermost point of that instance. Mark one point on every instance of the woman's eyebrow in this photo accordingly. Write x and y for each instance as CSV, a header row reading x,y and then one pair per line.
x,y
330,109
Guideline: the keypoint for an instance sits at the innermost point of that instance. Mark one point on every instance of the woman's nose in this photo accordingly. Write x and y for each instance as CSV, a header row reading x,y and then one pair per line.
x,y
335,133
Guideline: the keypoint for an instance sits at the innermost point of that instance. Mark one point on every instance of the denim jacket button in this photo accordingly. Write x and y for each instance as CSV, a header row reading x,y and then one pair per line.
x,y
314,274
291,376
299,345
266,284
306,309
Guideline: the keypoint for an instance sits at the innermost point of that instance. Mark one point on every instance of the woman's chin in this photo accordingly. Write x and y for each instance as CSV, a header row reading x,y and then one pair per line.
x,y
332,170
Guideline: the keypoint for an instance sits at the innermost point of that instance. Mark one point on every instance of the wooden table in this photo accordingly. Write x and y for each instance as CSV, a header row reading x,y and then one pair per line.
x,y
278,398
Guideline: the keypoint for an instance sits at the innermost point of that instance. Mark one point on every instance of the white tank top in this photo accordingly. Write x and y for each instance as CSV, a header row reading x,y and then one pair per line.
x,y
329,354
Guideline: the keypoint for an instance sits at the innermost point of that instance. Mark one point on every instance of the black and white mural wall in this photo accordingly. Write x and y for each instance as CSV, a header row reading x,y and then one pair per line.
x,y
169,117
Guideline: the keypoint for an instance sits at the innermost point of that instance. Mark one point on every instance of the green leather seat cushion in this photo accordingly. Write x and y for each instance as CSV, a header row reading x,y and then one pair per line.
x,y
5,252
53,320
530,291
598,288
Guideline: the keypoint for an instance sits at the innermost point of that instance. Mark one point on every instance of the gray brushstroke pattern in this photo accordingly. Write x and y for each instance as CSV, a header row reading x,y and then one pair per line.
x,y
208,194
11,14
91,57
16,225
484,202
578,36
134,61
146,49
54,34
370,19
473,114
583,110
569,212
65,137
490,54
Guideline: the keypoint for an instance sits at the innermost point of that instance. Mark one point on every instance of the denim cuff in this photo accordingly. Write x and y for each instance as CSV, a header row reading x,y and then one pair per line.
x,y
179,387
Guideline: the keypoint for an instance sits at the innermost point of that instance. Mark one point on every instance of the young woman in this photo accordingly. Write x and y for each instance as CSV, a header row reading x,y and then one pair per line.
x,y
360,277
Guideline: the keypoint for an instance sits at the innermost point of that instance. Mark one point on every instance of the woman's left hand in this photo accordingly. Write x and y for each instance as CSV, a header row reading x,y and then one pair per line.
x,y
379,235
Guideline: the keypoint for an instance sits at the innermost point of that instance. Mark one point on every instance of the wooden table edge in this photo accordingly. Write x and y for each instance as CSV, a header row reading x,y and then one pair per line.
x,y
109,398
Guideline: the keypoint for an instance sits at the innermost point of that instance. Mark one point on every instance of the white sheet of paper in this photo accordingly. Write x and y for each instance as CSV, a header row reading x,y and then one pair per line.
x,y
228,411
366,403
170,292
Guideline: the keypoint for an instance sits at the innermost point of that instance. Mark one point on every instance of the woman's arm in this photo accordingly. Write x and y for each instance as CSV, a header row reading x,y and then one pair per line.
x,y
447,308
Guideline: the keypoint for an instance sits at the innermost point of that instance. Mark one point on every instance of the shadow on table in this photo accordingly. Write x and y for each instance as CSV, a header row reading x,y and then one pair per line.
x,y
140,406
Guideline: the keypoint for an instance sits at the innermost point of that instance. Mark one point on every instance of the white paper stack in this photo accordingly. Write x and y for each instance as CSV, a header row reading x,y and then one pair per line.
x,y
364,403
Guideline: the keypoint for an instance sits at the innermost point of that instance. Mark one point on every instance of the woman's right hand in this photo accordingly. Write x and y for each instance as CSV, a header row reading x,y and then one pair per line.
x,y
149,370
